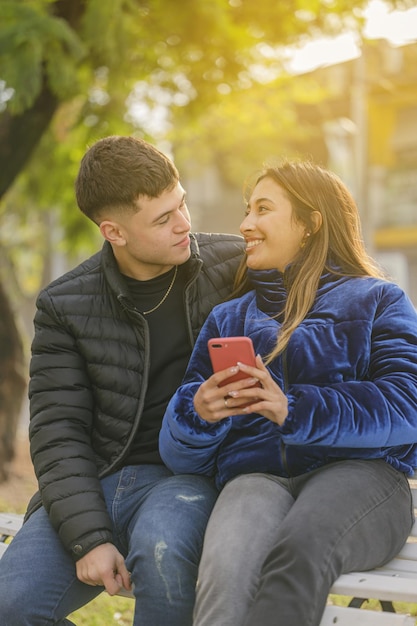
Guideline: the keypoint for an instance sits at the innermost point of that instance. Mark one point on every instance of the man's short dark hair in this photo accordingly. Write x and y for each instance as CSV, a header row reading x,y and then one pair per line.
x,y
116,170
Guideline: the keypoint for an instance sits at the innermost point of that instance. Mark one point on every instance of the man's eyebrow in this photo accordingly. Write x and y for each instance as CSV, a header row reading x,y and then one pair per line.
x,y
161,215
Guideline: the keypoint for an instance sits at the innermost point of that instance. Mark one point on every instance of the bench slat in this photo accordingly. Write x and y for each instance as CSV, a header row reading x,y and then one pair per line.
x,y
398,567
10,523
408,552
377,586
346,616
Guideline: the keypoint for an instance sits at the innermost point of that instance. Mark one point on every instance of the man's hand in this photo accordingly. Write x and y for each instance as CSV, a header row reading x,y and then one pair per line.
x,y
104,566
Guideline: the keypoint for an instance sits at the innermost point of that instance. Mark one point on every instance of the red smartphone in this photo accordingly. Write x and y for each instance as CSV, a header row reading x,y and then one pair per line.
x,y
228,351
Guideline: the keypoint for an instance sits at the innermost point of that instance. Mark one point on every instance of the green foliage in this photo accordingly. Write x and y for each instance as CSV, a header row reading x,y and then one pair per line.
x,y
203,66
247,128
31,42
210,44
110,28
212,71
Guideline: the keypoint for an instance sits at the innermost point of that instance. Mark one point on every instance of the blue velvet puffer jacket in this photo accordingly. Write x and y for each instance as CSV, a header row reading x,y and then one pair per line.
x,y
349,373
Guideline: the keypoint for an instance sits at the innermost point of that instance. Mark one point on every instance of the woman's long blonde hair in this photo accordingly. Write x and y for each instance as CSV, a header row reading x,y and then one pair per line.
x,y
337,246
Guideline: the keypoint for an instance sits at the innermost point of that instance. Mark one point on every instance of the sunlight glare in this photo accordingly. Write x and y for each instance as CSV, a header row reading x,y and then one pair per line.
x,y
324,51
397,27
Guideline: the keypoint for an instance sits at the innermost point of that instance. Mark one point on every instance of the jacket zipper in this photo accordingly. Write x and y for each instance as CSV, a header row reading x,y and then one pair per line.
x,y
133,312
187,288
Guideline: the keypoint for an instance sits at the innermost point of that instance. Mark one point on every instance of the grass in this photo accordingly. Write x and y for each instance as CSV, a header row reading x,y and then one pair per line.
x,y
374,605
117,611
105,610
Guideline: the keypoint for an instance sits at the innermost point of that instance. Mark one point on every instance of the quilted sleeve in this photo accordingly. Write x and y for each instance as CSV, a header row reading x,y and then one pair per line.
x,y
60,425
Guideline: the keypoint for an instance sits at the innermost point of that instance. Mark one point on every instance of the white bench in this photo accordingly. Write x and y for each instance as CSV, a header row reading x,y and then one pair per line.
x,y
9,525
395,582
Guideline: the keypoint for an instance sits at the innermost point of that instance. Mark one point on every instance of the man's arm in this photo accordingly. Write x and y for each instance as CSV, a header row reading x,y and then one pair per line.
x,y
61,405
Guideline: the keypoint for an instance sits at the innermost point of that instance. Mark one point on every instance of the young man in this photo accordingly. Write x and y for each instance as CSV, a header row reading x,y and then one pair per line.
x,y
112,340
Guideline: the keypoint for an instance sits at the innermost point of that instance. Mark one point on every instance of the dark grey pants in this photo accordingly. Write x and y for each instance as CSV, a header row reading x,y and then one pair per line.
x,y
274,547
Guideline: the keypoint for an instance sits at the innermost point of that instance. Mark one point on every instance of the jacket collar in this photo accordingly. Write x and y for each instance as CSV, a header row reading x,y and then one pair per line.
x,y
271,293
115,279
271,286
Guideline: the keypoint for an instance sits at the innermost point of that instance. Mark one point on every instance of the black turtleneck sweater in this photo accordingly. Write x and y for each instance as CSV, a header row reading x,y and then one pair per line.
x,y
170,352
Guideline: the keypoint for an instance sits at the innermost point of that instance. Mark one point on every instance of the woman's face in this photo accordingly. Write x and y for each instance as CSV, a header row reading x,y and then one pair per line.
x,y
273,237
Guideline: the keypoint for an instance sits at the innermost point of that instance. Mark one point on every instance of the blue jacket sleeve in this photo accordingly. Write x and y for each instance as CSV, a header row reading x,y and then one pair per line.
x,y
377,412
187,443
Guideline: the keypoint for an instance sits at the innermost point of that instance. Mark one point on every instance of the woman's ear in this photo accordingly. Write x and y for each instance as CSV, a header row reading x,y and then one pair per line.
x,y
112,232
316,221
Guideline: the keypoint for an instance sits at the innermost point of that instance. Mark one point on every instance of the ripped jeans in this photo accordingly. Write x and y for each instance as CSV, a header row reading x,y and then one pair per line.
x,y
159,521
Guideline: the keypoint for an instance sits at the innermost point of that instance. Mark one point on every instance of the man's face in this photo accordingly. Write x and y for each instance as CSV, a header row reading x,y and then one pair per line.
x,y
154,239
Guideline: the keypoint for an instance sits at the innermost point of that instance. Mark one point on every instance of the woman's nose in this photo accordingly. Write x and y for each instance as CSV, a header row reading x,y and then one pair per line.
x,y
247,224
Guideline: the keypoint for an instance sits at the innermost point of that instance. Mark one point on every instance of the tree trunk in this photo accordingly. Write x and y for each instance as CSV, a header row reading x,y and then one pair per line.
x,y
20,134
12,383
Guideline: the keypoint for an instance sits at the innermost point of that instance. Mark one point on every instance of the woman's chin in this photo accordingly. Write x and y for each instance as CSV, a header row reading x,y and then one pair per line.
x,y
254,264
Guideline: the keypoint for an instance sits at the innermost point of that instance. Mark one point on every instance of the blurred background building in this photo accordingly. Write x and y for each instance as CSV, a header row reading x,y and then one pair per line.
x,y
367,133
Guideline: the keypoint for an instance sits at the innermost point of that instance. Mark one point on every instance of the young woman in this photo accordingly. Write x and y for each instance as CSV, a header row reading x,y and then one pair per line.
x,y
314,471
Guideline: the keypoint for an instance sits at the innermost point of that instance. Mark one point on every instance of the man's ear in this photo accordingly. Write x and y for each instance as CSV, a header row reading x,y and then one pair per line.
x,y
316,221
112,232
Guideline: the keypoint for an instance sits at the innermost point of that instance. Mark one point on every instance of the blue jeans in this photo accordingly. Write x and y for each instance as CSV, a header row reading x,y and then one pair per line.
x,y
274,547
159,523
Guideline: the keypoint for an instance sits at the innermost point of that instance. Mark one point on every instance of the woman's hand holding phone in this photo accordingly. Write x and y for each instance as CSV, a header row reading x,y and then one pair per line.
x,y
240,384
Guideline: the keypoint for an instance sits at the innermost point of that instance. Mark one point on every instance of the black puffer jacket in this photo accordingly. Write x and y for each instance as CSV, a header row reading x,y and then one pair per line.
x,y
89,369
